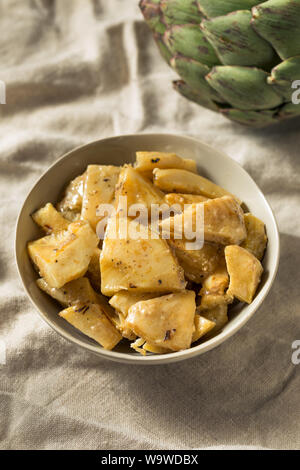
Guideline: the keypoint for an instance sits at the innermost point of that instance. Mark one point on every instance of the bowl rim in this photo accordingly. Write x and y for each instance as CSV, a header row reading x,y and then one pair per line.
x,y
155,359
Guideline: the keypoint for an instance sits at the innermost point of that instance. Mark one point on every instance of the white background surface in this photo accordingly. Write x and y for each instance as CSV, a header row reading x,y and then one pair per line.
x,y
77,71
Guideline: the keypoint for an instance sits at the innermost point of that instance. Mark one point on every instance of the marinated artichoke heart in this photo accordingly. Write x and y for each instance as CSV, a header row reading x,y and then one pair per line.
x,y
197,264
182,181
217,315
213,292
256,240
72,293
139,265
244,270
91,320
123,300
72,200
166,321
183,199
50,220
64,256
202,327
137,189
147,161
223,221
93,271
99,188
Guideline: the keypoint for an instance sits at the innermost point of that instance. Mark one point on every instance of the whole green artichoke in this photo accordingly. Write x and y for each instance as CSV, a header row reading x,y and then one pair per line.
x,y
238,57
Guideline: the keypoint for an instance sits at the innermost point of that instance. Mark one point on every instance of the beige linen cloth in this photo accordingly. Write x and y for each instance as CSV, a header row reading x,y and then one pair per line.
x,y
80,70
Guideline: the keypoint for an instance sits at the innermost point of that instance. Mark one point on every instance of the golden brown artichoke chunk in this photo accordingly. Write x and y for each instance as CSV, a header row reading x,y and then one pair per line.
x,y
91,320
72,200
166,321
202,327
217,315
256,240
244,270
145,264
64,256
74,292
223,221
183,199
182,181
197,264
99,188
147,161
50,220
137,189
214,287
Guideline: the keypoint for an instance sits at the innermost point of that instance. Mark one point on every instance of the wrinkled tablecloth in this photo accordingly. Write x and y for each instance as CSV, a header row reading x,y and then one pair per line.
x,y
80,70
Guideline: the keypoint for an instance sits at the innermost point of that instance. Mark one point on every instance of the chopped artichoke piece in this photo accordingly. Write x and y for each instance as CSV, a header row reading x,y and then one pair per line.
x,y
137,189
145,264
72,293
99,188
256,240
166,321
218,315
50,220
81,292
213,292
64,256
245,272
182,199
92,321
93,272
202,327
196,263
182,181
72,200
155,349
123,300
223,221
147,161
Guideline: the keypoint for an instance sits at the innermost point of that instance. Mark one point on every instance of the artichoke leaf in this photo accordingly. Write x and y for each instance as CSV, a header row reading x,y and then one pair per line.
x,y
278,21
244,87
251,118
193,73
284,75
235,41
189,41
196,97
152,14
289,110
180,12
163,48
213,8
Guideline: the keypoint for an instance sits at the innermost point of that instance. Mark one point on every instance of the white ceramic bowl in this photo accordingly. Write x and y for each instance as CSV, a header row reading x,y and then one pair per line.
x,y
116,151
